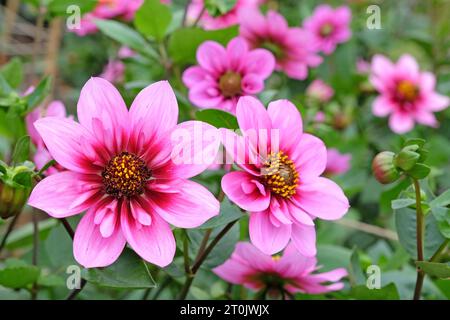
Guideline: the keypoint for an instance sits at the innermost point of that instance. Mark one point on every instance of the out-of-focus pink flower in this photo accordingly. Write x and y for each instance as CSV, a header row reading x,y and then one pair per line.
x,y
280,183
319,117
121,169
125,52
329,26
226,20
337,163
114,71
406,94
225,74
293,48
42,156
292,272
362,66
320,91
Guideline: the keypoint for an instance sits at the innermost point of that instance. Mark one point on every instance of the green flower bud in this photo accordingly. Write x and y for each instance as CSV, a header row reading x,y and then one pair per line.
x,y
12,199
383,167
406,159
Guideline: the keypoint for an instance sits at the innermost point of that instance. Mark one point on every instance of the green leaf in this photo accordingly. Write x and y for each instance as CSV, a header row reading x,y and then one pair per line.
x,y
228,213
415,141
39,94
440,270
18,275
24,179
356,274
23,236
217,118
332,257
402,203
12,72
129,271
442,200
61,7
125,35
388,292
419,171
405,222
21,150
184,42
153,18
219,7
442,216
51,280
5,88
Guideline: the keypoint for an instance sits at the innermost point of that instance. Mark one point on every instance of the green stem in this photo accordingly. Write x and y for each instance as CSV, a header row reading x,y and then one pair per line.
x,y
419,237
34,288
187,262
10,228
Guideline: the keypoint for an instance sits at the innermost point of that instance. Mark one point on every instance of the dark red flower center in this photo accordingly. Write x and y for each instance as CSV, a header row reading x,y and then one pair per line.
x,y
125,175
280,175
230,84
326,30
407,91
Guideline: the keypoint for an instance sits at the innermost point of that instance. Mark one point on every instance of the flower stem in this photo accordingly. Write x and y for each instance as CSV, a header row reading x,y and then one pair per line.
x,y
68,227
34,288
8,231
419,237
75,292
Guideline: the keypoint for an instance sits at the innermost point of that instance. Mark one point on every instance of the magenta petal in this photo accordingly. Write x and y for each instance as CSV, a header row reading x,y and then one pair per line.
x,y
154,243
310,157
401,122
189,206
252,84
237,50
235,185
234,271
91,249
304,239
382,106
212,57
64,194
194,75
267,237
260,62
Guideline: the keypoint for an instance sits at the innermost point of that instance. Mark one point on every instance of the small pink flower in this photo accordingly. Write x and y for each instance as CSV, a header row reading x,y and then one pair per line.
x,y
329,26
292,272
228,19
406,94
293,48
319,117
362,66
42,156
120,170
337,163
114,71
280,183
320,91
225,74
125,52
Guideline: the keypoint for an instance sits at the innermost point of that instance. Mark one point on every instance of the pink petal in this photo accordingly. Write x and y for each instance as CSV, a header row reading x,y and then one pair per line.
x,y
260,62
267,237
277,26
64,194
189,206
401,122
194,75
235,186
381,65
154,243
237,50
408,65
206,95
249,254
382,106
293,264
437,102
299,215
252,84
322,198
91,249
310,157
426,118
304,239
212,57
234,271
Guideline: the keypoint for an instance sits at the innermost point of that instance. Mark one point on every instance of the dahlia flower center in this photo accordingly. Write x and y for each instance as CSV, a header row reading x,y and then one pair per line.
x,y
274,48
407,91
230,84
326,30
125,175
280,175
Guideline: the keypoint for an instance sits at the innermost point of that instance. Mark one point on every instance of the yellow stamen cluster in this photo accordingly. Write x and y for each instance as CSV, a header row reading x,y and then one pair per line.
x,y
125,175
407,91
280,175
276,257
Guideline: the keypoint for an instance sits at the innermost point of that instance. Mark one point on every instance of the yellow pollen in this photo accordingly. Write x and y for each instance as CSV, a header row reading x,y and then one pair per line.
x,y
276,257
280,175
125,175
407,91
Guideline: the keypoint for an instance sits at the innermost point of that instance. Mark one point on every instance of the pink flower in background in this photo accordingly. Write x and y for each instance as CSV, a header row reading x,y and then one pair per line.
x,y
120,169
329,26
320,91
42,156
319,117
280,183
125,52
292,272
222,21
293,48
114,71
362,66
225,74
406,94
337,163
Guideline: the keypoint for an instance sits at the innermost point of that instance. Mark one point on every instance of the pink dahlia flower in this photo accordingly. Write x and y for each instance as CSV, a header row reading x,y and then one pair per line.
x,y
121,169
225,74
337,163
292,272
42,156
280,183
329,26
406,94
320,91
114,71
228,19
293,48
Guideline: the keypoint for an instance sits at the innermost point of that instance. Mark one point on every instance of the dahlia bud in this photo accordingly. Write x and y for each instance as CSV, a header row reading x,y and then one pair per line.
x,y
407,158
383,167
12,199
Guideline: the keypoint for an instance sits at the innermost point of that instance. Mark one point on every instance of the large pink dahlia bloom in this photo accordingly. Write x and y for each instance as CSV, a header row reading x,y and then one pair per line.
x,y
292,272
225,74
329,26
293,48
121,169
280,183
406,94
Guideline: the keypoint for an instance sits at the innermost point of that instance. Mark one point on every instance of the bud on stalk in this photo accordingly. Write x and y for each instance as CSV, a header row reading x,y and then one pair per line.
x,y
384,168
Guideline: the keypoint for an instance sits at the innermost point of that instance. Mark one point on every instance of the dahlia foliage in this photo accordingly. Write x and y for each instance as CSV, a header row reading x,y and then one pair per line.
x,y
237,149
